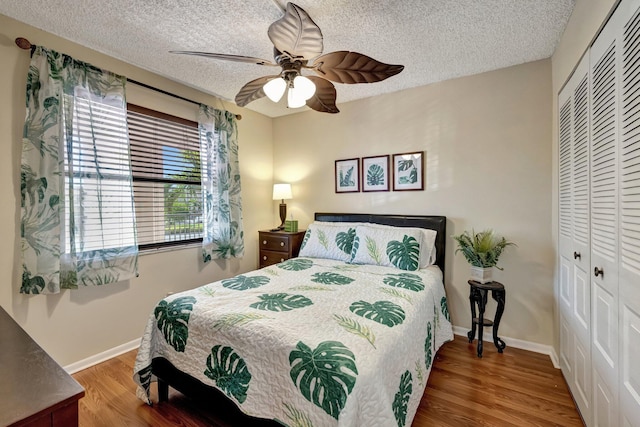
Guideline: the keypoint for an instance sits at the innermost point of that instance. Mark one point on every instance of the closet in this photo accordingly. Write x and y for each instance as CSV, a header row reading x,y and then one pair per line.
x,y
599,224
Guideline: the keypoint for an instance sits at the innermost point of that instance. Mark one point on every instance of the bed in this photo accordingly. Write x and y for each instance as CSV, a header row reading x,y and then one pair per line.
x,y
343,335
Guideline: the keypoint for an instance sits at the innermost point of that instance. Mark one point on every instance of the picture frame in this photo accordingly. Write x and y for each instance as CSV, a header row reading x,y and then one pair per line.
x,y
347,175
408,171
375,173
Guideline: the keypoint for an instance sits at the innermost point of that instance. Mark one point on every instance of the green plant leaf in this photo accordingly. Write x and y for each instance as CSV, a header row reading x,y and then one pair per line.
x,y
305,239
445,308
31,285
482,249
419,373
401,399
375,175
325,376
229,371
297,418
356,246
311,288
281,302
428,347
236,319
296,264
373,250
322,238
344,241
409,281
242,282
354,327
328,278
404,255
397,293
145,376
383,312
173,320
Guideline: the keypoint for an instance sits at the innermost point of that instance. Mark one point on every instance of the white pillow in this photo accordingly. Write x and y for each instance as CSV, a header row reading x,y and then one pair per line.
x,y
427,241
328,240
398,247
428,253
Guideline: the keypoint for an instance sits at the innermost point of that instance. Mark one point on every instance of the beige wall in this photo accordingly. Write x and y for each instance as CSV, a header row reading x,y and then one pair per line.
x,y
75,325
488,165
587,18
490,143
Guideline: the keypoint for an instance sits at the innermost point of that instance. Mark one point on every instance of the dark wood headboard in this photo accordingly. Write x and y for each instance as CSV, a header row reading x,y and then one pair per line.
x,y
437,223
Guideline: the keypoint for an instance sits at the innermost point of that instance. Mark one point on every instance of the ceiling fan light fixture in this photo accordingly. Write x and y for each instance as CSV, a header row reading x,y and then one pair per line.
x,y
274,89
300,89
295,98
305,86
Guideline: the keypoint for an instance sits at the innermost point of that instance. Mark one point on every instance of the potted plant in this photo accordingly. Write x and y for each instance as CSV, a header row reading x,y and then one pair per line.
x,y
482,251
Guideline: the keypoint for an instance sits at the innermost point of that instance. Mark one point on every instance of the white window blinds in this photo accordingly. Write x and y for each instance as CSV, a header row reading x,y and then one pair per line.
x,y
165,160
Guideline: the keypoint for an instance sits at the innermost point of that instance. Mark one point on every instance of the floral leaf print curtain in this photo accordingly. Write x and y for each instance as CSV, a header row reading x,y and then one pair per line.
x,y
223,236
77,212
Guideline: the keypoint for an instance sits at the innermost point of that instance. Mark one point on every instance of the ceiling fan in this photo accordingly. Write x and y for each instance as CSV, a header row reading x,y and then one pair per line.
x,y
298,45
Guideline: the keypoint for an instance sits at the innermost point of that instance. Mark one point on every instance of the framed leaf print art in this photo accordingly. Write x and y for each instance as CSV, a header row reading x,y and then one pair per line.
x,y
375,173
347,176
408,171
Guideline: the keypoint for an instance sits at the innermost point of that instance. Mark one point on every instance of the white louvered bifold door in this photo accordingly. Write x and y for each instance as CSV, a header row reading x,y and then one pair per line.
x,y
581,237
629,219
575,303
605,57
565,291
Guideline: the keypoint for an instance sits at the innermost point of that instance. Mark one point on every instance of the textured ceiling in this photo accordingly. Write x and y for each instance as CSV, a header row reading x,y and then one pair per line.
x,y
434,39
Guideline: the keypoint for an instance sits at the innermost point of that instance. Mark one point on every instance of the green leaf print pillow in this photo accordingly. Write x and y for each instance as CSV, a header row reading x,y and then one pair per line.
x,y
328,241
389,246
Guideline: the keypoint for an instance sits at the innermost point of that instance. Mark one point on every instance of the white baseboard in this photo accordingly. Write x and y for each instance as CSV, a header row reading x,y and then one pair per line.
x,y
516,343
101,357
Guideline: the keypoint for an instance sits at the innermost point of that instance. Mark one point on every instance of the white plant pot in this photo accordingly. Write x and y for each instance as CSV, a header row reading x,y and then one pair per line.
x,y
482,275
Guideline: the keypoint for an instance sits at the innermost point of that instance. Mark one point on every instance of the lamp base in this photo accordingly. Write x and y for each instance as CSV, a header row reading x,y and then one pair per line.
x,y
283,214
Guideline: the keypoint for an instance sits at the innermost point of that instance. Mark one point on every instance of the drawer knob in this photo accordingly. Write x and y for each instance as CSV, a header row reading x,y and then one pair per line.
x,y
264,242
264,257
281,259
281,243
598,272
576,255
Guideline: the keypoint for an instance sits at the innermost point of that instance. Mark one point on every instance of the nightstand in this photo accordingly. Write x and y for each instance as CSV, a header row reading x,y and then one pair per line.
x,y
279,246
478,296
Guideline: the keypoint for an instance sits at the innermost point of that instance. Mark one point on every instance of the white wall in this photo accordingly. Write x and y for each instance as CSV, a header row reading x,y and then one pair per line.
x,y
74,325
488,165
587,18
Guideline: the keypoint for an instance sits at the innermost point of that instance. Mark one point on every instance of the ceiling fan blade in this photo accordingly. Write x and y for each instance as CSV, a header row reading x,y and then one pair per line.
x,y
226,57
353,67
296,34
324,100
252,90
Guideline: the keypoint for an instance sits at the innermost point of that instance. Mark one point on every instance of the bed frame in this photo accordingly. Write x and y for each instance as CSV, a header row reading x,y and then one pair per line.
x,y
168,375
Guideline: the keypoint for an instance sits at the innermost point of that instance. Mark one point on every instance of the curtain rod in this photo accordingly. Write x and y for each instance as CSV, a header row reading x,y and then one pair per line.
x,y
25,44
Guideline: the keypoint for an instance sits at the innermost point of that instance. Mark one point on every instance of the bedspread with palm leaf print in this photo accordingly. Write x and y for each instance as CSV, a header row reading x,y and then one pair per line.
x,y
307,342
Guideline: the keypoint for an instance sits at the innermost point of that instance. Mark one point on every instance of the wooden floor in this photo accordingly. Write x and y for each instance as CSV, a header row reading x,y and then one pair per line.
x,y
516,388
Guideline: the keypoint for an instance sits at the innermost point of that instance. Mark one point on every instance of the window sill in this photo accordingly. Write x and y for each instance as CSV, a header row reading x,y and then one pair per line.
x,y
152,251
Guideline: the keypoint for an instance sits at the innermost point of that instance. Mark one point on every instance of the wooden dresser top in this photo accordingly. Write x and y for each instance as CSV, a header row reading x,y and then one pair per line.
x,y
31,381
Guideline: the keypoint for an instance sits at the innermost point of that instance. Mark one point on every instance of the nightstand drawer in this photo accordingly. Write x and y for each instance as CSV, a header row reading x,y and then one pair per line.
x,y
271,257
278,246
274,243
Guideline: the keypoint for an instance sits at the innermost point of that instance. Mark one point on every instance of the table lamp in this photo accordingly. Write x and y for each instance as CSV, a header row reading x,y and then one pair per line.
x,y
282,192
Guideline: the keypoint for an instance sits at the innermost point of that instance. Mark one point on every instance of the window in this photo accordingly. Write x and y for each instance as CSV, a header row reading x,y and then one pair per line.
x,y
165,162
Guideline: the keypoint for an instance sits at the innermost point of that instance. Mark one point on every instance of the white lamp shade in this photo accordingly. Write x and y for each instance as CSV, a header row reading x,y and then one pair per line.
x,y
302,89
305,86
282,191
295,99
274,89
